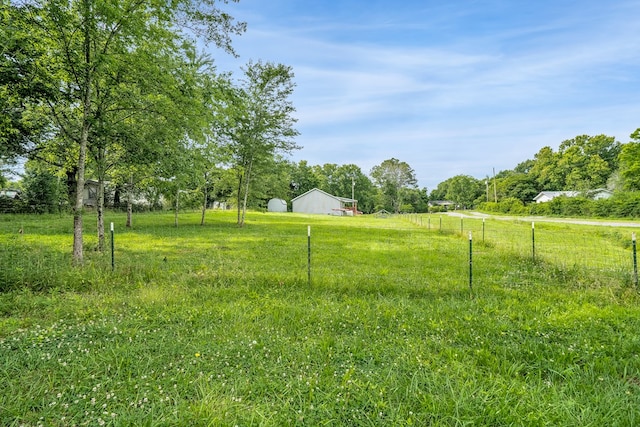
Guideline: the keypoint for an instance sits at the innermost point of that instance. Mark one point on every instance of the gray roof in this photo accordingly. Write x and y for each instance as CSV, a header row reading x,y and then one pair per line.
x,y
342,199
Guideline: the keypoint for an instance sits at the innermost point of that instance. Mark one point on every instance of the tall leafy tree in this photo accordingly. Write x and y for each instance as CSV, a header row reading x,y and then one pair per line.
x,y
349,181
544,170
630,163
391,176
303,178
519,186
85,40
586,162
464,190
581,163
24,83
167,97
260,124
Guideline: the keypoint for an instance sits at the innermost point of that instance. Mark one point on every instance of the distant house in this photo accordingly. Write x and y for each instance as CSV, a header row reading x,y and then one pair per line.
x,y
10,193
90,196
447,204
599,193
316,201
547,196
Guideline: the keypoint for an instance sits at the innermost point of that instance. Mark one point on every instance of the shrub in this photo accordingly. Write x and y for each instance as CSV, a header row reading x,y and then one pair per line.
x,y
625,204
43,192
540,209
511,205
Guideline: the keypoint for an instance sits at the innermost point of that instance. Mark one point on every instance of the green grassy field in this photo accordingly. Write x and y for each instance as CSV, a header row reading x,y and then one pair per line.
x,y
219,325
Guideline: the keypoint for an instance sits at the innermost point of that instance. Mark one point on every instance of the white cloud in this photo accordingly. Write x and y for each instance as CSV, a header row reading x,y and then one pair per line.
x,y
450,101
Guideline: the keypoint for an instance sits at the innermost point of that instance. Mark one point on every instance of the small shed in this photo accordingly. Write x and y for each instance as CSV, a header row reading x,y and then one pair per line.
x,y
277,205
600,193
316,201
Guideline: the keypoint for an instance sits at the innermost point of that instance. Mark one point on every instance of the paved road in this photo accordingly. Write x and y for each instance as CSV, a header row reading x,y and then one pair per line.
x,y
471,214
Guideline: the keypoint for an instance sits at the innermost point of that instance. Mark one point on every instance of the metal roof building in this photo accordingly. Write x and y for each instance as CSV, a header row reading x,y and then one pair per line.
x,y
316,201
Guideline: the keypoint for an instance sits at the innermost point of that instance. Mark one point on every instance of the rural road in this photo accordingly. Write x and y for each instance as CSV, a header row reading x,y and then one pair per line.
x,y
471,214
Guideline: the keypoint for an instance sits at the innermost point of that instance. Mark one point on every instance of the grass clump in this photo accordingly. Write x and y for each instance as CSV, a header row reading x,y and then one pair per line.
x,y
218,325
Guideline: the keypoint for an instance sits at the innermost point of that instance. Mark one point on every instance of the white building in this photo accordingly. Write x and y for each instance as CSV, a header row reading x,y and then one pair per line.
x,y
546,196
600,193
316,201
277,205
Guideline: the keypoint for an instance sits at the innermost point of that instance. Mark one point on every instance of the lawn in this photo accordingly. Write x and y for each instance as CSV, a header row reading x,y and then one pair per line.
x,y
220,325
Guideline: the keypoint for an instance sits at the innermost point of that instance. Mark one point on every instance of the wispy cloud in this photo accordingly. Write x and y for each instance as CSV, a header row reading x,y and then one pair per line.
x,y
451,88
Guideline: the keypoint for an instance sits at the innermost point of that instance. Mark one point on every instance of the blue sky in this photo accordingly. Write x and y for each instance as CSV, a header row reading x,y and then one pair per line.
x,y
450,87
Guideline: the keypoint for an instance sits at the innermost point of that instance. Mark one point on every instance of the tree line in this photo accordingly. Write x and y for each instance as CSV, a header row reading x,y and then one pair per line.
x,y
581,164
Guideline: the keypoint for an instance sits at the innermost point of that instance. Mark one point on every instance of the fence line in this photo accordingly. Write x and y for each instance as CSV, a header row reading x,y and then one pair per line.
x,y
545,242
339,261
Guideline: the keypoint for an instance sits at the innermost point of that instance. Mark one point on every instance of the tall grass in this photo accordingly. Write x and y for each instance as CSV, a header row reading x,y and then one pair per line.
x,y
218,325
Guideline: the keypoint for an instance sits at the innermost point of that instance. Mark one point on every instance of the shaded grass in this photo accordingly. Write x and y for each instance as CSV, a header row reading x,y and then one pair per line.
x,y
227,331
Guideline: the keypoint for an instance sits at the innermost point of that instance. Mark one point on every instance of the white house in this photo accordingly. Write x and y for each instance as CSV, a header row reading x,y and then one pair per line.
x,y
10,193
316,201
546,196
600,193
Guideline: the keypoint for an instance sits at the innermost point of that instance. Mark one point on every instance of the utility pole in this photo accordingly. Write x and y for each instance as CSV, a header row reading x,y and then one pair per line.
x,y
495,193
486,183
353,198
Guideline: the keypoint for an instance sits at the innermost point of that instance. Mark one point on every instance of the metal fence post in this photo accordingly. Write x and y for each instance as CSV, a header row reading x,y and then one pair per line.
x,y
635,260
483,229
113,258
309,254
533,241
470,262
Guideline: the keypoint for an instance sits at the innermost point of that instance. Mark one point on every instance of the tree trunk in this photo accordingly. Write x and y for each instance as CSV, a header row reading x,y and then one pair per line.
x,y
79,202
100,163
205,201
129,203
72,185
100,211
175,218
129,222
116,197
246,194
239,198
78,257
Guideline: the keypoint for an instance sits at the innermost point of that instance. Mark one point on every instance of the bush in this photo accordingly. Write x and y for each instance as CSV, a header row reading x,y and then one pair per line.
x,y
11,205
625,204
621,205
43,192
511,205
540,209
571,206
488,207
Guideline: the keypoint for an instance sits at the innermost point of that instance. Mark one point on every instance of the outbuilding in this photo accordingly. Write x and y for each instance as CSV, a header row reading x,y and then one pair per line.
x,y
316,201
277,205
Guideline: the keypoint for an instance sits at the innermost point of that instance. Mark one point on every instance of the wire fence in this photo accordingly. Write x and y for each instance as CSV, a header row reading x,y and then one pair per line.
x,y
601,250
415,251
